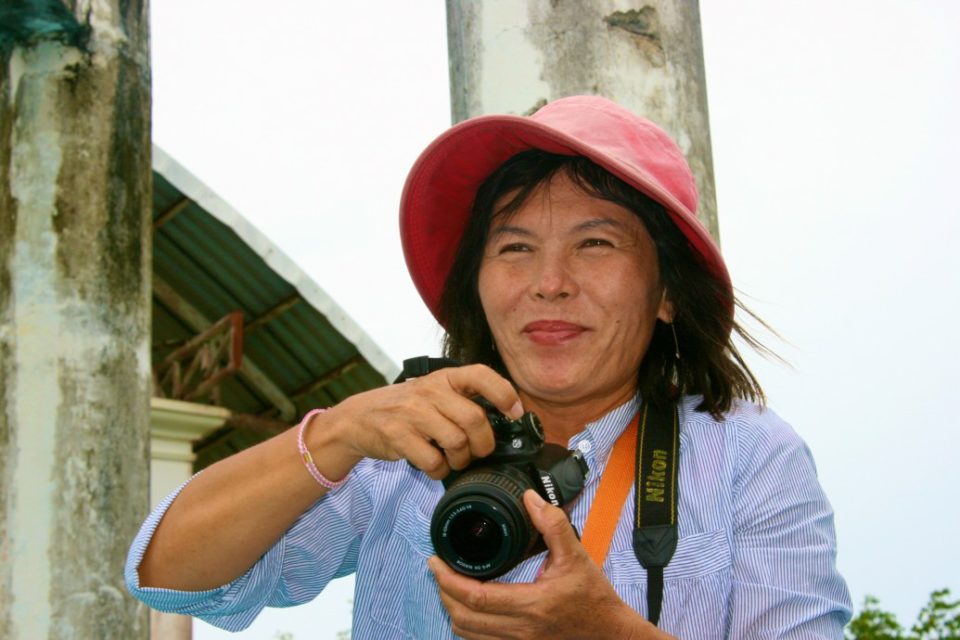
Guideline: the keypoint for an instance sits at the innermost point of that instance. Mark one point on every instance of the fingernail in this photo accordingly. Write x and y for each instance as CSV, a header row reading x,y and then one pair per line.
x,y
432,563
538,501
516,410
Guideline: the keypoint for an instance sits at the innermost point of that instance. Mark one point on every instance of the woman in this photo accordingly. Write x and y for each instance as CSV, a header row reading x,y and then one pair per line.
x,y
562,255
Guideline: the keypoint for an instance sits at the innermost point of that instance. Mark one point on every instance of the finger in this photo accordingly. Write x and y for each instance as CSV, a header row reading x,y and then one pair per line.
x,y
480,626
509,600
472,625
424,456
478,379
450,439
451,419
471,421
466,634
466,434
423,435
554,526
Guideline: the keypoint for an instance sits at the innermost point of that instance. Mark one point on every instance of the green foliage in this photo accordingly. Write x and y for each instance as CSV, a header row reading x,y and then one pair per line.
x,y
938,620
872,623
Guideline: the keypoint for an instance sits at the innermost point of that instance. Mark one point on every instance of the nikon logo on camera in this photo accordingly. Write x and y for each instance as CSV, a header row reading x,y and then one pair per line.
x,y
551,490
654,482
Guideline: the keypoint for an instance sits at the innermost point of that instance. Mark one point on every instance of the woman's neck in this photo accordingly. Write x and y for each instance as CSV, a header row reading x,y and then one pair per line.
x,y
563,420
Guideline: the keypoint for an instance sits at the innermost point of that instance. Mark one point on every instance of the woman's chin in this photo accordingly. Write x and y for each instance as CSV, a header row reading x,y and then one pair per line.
x,y
558,390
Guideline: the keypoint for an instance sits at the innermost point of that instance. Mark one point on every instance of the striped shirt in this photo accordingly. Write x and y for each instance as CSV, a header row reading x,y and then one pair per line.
x,y
755,558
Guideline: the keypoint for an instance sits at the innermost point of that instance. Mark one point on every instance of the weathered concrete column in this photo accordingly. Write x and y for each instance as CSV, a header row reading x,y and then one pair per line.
x,y
512,56
75,239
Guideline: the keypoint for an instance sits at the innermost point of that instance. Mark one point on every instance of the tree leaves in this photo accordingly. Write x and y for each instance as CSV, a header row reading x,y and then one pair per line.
x,y
938,620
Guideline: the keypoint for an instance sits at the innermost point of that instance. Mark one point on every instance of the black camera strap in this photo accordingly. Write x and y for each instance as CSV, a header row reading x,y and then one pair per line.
x,y
656,494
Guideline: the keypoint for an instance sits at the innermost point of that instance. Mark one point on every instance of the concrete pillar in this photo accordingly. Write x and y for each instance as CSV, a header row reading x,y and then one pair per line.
x,y
75,246
512,56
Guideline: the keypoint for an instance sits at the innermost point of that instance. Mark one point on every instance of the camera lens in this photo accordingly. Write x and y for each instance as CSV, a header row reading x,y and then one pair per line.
x,y
480,526
475,537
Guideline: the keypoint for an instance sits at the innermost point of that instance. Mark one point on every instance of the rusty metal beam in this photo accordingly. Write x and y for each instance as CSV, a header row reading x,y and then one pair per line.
x,y
258,425
248,370
171,212
327,378
277,310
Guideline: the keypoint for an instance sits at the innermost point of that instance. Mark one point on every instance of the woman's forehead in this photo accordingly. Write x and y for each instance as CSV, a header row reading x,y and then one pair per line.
x,y
561,202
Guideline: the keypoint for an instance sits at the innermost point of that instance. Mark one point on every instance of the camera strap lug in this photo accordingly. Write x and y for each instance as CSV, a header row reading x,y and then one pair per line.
x,y
422,365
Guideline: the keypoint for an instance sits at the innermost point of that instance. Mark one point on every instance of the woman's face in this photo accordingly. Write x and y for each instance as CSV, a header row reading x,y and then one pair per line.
x,y
570,288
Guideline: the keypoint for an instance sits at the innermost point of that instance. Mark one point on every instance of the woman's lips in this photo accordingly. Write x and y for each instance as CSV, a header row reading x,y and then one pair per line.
x,y
552,332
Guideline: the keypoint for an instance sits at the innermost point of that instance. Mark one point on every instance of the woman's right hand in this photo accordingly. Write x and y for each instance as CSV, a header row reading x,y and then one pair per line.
x,y
431,421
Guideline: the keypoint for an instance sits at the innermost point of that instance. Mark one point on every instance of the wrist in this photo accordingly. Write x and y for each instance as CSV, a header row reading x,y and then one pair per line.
x,y
326,448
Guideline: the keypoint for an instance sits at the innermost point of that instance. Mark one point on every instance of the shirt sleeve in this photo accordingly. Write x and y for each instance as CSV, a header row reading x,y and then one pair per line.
x,y
320,546
785,580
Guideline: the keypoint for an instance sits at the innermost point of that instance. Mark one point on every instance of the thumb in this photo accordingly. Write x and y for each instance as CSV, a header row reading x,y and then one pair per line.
x,y
554,526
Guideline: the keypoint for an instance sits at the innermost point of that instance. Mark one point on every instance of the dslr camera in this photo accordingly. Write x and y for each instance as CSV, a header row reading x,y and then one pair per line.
x,y
480,526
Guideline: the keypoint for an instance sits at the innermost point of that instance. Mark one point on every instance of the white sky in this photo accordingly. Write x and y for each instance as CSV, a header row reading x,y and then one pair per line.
x,y
834,131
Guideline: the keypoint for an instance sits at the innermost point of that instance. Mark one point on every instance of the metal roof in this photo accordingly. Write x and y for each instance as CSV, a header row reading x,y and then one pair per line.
x,y
300,349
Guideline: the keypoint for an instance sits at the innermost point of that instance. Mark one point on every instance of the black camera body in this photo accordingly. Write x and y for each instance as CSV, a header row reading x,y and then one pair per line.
x,y
480,526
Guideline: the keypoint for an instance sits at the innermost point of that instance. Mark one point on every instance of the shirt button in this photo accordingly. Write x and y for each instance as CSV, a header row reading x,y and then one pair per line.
x,y
585,446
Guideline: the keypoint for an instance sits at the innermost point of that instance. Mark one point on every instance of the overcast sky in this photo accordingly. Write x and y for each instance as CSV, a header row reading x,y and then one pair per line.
x,y
835,137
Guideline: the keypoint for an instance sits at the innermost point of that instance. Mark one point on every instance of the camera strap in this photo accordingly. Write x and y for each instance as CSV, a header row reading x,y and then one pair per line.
x,y
655,500
648,452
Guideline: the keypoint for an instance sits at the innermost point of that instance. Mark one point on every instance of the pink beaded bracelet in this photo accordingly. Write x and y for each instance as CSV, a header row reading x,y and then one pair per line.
x,y
308,459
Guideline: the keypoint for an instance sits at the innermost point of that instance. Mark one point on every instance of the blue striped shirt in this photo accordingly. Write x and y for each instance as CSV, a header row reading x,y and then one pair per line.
x,y
755,559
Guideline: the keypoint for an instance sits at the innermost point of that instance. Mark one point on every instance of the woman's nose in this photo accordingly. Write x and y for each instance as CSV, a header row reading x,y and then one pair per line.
x,y
554,279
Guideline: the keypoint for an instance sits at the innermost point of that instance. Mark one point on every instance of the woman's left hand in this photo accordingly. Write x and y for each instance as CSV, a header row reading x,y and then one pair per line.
x,y
570,599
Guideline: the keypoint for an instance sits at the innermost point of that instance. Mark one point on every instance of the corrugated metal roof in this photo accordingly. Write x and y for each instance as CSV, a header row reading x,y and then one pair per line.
x,y
300,351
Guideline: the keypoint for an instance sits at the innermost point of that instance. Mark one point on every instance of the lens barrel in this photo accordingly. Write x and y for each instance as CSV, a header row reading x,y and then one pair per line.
x,y
480,526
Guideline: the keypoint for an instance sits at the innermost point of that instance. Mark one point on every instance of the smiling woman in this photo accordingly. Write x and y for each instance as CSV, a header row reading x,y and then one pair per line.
x,y
562,254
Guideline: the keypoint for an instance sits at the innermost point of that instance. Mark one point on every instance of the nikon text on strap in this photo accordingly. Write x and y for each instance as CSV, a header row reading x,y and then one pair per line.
x,y
655,499
648,452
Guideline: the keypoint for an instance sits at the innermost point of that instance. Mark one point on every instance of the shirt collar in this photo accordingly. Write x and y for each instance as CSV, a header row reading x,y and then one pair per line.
x,y
596,441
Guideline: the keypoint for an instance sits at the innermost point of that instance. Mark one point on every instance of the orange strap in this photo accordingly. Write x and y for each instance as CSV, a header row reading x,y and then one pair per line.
x,y
612,493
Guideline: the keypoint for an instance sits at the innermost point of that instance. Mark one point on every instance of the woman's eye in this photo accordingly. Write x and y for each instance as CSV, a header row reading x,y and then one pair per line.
x,y
596,242
514,247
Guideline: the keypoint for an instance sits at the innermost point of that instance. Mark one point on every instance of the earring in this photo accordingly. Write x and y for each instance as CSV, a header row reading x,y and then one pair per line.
x,y
676,344
675,369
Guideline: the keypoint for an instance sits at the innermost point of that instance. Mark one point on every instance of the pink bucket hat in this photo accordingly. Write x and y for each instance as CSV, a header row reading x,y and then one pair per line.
x,y
440,189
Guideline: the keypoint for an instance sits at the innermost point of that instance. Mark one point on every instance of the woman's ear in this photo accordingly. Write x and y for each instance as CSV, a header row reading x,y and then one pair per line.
x,y
665,313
